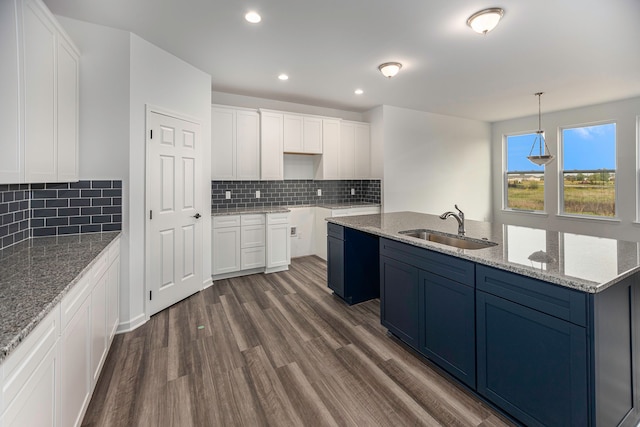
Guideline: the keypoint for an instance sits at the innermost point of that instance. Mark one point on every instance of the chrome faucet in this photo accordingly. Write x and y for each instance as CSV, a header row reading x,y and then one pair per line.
x,y
459,217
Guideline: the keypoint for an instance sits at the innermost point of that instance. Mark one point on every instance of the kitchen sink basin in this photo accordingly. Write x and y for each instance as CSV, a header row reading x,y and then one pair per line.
x,y
449,239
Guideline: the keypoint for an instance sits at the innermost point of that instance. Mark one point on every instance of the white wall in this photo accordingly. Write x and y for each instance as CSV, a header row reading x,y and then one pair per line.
x,y
625,113
432,162
375,119
162,80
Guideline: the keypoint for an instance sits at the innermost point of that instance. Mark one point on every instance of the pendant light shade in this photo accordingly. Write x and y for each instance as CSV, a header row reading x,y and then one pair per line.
x,y
543,156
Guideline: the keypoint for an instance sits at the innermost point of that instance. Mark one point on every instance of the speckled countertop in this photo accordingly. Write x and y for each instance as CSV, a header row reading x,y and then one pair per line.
x,y
34,276
287,208
586,263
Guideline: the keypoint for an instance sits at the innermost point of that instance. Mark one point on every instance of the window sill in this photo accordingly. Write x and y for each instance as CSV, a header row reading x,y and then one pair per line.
x,y
523,212
586,218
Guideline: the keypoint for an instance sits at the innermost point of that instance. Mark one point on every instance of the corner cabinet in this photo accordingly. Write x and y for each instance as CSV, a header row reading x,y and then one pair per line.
x,y
278,242
42,82
355,150
271,146
235,144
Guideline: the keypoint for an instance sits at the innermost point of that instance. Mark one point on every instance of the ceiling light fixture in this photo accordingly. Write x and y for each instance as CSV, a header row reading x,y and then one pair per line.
x,y
486,20
253,17
389,69
358,91
283,77
543,157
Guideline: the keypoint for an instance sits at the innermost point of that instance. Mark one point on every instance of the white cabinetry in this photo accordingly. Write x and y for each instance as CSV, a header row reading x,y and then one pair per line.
x,y
355,150
48,379
278,242
40,108
113,290
226,244
235,144
302,134
328,167
271,146
320,229
252,241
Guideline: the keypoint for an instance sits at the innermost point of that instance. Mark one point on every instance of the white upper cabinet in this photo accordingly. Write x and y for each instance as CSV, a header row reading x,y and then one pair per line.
x,y
235,144
355,150
328,166
41,71
302,134
272,153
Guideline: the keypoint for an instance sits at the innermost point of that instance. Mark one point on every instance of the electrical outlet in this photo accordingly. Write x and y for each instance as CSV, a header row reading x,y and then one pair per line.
x,y
319,192
353,191
227,194
257,194
294,230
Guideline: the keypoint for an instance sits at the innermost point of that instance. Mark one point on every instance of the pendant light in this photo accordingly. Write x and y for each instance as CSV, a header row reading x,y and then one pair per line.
x,y
544,157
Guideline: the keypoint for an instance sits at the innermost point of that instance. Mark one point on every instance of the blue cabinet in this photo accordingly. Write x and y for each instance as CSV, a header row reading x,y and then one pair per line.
x,y
352,264
427,299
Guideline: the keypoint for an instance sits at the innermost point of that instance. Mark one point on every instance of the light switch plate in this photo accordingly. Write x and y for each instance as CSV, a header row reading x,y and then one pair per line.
x,y
257,194
227,194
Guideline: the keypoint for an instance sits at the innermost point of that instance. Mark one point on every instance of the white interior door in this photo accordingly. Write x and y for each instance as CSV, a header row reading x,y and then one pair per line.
x,y
174,228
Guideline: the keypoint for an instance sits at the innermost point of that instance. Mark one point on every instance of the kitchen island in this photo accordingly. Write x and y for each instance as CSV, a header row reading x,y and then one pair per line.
x,y
544,325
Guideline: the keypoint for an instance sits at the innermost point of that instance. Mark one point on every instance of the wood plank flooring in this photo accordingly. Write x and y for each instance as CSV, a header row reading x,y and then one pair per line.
x,y
274,350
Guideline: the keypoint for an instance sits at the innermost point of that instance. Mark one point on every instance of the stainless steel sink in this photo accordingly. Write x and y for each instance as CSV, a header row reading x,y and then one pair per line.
x,y
448,239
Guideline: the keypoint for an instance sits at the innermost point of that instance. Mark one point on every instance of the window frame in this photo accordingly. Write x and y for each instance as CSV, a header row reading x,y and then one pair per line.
x,y
505,177
561,171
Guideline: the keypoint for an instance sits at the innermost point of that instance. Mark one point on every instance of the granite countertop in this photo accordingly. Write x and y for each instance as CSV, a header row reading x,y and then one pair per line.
x,y
586,263
34,276
287,208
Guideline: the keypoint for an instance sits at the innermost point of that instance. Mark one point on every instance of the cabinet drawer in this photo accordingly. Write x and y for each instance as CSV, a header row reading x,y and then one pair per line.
x,y
335,230
460,270
252,236
560,302
252,258
74,298
257,219
278,218
226,221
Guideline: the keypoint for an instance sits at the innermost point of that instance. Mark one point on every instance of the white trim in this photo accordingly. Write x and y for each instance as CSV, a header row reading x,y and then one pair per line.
x,y
132,324
207,283
523,212
589,218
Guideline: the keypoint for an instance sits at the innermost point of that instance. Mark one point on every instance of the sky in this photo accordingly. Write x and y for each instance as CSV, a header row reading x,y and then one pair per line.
x,y
585,148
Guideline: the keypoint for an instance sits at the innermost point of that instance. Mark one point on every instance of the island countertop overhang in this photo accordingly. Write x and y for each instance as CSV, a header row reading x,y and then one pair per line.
x,y
585,263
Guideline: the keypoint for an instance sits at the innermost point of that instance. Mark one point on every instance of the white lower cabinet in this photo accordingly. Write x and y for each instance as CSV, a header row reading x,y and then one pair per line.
x,y
250,243
49,378
278,242
320,229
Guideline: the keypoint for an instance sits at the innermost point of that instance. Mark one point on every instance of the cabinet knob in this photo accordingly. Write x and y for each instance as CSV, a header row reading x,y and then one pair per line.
x,y
197,215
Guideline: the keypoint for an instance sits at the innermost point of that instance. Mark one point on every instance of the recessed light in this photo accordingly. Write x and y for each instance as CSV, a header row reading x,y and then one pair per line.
x,y
283,77
358,91
253,17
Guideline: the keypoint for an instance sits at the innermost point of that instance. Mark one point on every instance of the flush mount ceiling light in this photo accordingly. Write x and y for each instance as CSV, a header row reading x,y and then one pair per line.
x,y
544,157
486,20
253,17
283,77
389,69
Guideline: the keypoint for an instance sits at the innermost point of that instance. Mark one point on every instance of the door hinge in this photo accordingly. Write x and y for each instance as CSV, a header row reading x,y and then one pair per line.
x,y
150,295
150,214
151,134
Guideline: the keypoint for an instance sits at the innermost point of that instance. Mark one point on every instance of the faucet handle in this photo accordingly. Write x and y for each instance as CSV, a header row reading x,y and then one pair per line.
x,y
458,209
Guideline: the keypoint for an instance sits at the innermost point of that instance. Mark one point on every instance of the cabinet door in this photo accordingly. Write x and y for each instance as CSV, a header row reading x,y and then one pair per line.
x,y
292,133
226,250
278,251
67,111
347,150
39,41
335,265
247,145
223,151
98,325
271,154
113,298
399,300
447,317
362,151
312,135
75,375
531,364
329,166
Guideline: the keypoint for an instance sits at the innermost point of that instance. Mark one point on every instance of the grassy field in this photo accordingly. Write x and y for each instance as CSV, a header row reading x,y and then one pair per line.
x,y
583,199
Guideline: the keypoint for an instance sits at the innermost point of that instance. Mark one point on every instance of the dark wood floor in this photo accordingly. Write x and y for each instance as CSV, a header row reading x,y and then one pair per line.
x,y
277,350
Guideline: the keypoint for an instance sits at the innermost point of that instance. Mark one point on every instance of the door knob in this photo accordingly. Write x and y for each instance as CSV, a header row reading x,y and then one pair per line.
x,y
197,215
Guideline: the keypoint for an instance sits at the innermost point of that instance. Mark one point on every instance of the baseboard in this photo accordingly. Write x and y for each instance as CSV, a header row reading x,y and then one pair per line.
x,y
208,282
276,269
132,324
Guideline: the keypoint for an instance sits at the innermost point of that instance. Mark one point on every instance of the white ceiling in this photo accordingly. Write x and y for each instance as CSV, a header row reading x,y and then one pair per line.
x,y
579,52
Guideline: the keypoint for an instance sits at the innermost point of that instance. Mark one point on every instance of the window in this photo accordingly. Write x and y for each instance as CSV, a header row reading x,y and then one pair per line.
x,y
589,170
524,181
